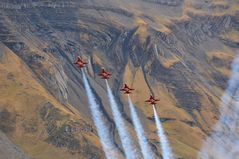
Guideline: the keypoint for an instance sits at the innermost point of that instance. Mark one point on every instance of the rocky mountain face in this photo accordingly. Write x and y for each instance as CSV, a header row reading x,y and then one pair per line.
x,y
177,50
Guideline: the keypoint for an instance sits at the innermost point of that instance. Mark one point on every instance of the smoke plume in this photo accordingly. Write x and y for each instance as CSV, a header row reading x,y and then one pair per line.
x,y
223,143
127,143
102,130
144,145
166,150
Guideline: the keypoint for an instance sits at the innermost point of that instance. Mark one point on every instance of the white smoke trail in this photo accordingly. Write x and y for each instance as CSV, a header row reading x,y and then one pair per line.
x,y
223,143
102,130
129,149
144,145
166,150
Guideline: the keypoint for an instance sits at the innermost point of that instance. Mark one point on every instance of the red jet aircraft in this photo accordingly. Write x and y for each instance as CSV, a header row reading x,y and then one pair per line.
x,y
79,62
126,89
152,100
104,74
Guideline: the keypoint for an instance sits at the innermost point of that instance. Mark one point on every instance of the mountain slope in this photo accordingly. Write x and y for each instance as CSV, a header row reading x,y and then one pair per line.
x,y
36,121
178,50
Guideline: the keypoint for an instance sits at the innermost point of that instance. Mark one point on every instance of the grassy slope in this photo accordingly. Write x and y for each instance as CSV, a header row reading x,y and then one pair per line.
x,y
22,96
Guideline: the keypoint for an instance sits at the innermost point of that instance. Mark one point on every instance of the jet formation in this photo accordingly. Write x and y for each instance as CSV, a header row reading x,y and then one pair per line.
x,y
118,118
79,62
